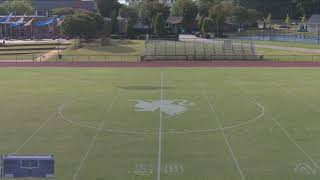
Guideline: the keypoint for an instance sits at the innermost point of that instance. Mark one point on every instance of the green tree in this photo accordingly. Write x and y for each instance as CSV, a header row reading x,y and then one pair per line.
x,y
219,14
20,7
83,25
204,27
202,18
253,16
4,9
107,7
278,8
159,24
114,22
128,11
149,10
130,30
307,7
63,11
188,10
303,19
205,5
267,21
242,16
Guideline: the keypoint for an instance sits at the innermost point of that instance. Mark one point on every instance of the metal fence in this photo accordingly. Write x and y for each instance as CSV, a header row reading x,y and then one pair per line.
x,y
279,35
137,59
70,58
292,58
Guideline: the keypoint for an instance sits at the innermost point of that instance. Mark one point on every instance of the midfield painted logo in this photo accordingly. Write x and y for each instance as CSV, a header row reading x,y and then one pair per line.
x,y
169,107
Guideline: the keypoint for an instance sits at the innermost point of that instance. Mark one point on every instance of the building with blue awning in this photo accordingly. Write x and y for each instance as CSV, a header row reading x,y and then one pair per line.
x,y
45,7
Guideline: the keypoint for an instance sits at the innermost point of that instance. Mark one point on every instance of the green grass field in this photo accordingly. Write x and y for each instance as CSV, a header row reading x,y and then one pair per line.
x,y
131,50
216,124
289,44
114,47
115,50
29,50
281,55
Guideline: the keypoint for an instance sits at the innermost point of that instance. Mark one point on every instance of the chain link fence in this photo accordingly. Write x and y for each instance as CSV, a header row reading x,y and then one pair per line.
x,y
279,35
137,59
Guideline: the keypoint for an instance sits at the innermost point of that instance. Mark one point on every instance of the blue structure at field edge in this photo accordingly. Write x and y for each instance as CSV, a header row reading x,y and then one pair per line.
x,y
24,166
29,27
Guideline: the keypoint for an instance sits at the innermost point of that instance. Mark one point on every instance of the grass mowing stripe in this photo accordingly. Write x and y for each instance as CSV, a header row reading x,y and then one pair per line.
x,y
93,140
160,129
224,135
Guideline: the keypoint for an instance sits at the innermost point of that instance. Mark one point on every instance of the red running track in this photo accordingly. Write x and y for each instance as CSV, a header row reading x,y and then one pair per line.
x,y
163,64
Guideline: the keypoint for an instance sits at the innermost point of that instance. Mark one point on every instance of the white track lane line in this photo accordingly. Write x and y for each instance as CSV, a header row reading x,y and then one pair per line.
x,y
160,130
224,135
93,140
291,139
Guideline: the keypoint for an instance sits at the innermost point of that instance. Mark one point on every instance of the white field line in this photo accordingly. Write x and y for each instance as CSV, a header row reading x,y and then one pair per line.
x,y
185,131
160,131
86,125
93,140
43,124
224,135
294,142
291,139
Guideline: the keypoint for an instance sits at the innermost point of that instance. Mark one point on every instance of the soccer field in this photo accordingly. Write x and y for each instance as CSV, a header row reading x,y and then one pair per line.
x,y
165,123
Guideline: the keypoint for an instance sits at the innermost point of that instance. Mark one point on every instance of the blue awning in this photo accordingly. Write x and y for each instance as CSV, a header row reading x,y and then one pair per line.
x,y
18,23
14,25
45,23
7,18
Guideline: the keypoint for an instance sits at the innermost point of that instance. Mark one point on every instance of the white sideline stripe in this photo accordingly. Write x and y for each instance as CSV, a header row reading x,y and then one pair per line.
x,y
93,140
224,136
288,134
285,131
44,123
160,130
294,141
